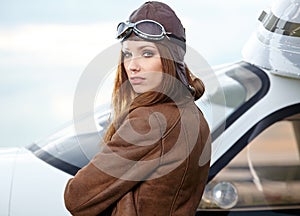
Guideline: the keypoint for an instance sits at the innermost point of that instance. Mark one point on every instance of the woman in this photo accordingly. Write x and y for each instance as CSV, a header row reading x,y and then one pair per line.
x,y
155,159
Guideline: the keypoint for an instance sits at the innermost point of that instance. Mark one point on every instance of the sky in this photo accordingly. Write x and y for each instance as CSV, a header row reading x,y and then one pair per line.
x,y
46,45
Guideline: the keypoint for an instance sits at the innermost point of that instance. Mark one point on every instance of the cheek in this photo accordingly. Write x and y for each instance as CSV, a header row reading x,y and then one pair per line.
x,y
125,65
157,73
158,65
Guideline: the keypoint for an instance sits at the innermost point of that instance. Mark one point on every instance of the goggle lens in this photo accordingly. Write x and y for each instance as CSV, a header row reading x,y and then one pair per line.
x,y
122,30
150,28
147,29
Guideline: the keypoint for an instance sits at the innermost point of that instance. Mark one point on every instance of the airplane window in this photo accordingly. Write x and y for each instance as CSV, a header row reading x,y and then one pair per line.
x,y
68,150
266,174
241,87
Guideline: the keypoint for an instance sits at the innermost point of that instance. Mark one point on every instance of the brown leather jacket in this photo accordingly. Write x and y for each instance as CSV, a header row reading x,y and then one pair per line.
x,y
155,164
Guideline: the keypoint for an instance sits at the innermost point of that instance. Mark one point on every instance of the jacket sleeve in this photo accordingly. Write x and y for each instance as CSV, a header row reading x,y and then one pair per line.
x,y
130,157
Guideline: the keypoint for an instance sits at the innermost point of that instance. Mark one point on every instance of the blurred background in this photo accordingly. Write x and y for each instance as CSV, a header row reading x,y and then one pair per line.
x,y
46,45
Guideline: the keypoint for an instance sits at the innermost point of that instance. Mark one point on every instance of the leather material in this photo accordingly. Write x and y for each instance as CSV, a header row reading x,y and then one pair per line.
x,y
156,163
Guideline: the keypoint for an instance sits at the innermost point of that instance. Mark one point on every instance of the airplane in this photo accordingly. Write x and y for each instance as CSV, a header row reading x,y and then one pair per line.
x,y
255,164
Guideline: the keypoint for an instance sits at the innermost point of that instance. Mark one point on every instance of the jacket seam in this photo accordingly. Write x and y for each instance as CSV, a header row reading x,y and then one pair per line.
x,y
171,128
161,140
182,179
161,153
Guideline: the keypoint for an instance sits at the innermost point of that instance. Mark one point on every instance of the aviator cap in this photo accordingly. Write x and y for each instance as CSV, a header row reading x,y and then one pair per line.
x,y
161,13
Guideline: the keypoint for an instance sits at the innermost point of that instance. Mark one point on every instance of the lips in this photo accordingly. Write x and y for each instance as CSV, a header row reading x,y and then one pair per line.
x,y
137,80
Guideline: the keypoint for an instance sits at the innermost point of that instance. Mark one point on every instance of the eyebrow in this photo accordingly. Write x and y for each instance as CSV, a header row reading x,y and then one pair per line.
x,y
145,46
142,47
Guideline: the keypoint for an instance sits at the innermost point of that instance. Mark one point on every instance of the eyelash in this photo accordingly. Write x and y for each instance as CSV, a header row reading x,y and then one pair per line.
x,y
145,53
126,54
148,53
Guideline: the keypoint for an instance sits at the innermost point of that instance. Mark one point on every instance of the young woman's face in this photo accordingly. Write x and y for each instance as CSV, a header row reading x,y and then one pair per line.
x,y
142,64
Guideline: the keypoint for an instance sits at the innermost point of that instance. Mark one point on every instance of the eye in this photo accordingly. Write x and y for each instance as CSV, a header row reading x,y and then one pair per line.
x,y
148,53
126,54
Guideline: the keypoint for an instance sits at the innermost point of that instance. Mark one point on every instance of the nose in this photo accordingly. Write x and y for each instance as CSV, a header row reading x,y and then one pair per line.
x,y
134,65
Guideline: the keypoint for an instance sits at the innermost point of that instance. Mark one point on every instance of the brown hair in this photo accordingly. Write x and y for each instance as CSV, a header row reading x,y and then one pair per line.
x,y
124,99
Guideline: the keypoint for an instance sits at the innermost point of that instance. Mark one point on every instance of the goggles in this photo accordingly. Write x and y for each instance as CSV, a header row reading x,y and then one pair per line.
x,y
146,29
